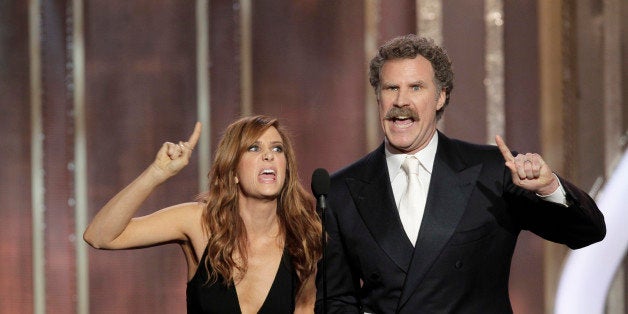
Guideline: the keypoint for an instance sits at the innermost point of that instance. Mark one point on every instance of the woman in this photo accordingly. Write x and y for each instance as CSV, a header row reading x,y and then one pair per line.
x,y
251,242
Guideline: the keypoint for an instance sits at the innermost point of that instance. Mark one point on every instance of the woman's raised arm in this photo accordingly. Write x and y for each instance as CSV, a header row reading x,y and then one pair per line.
x,y
114,227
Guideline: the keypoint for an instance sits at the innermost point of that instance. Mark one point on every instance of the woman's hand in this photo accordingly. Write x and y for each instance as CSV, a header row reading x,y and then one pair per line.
x,y
171,158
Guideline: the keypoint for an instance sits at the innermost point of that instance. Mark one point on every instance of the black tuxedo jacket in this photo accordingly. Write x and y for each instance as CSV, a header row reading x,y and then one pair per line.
x,y
461,260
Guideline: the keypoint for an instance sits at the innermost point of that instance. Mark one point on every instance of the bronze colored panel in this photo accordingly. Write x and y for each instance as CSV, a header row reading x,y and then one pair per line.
x,y
590,91
15,172
140,92
58,154
522,76
463,37
397,19
522,100
225,66
308,69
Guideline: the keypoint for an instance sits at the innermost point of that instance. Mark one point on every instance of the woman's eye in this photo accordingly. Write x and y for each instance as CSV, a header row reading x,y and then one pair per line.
x,y
278,149
253,148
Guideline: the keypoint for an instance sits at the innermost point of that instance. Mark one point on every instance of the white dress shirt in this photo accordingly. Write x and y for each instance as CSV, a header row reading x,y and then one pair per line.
x,y
398,177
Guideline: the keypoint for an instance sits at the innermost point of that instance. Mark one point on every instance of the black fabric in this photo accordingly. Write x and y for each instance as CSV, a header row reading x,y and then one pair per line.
x,y
209,298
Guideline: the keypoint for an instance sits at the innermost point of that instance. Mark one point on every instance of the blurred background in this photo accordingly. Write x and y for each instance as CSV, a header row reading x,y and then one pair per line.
x,y
89,90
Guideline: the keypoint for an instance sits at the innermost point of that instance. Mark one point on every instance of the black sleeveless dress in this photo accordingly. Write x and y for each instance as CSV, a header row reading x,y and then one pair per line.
x,y
217,298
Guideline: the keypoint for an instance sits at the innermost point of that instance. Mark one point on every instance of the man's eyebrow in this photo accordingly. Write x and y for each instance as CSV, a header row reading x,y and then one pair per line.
x,y
387,84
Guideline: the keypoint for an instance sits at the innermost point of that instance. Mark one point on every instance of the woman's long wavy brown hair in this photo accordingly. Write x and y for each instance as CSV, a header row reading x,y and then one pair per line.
x,y
222,223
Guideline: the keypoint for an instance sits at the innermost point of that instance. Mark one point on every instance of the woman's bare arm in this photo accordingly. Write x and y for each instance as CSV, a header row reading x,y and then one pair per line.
x,y
114,227
307,297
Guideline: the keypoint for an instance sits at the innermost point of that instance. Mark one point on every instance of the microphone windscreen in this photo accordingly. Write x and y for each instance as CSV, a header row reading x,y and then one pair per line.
x,y
320,182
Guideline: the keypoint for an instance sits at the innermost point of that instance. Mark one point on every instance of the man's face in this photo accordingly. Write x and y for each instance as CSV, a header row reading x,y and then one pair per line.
x,y
408,101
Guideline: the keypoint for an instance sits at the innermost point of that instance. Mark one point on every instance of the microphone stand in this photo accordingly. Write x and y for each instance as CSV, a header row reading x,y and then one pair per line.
x,y
320,188
323,206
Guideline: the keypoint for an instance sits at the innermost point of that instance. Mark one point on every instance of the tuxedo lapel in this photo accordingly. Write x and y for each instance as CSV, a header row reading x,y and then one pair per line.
x,y
450,188
373,197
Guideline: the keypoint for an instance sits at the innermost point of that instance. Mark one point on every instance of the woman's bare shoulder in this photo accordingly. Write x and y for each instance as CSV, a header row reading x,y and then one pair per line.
x,y
190,220
190,213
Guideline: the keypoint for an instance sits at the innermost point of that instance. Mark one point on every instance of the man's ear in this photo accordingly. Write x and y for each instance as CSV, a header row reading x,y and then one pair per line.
x,y
441,99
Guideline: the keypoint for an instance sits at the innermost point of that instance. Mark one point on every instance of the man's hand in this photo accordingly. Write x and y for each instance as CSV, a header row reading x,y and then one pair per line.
x,y
529,171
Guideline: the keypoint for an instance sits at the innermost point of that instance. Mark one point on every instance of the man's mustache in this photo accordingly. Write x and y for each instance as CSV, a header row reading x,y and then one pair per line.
x,y
396,112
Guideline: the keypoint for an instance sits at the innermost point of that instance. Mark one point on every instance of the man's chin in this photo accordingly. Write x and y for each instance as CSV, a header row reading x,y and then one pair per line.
x,y
397,146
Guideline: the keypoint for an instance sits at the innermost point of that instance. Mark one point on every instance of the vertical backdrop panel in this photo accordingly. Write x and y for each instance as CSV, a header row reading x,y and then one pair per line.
x,y
224,42
589,119
309,70
522,101
521,75
395,20
16,293
58,154
140,92
464,37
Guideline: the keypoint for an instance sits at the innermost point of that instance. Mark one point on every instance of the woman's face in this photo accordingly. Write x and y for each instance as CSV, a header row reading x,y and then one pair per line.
x,y
261,172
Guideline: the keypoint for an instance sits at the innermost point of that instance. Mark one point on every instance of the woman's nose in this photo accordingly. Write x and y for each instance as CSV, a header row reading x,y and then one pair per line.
x,y
268,156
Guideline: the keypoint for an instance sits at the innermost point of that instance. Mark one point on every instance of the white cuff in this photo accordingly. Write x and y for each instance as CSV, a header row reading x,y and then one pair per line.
x,y
559,196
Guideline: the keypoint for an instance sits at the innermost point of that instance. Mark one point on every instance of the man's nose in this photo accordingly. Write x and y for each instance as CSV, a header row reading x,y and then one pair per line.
x,y
402,98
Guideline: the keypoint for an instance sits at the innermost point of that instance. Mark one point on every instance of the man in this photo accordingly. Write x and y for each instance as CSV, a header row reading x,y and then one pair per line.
x,y
449,250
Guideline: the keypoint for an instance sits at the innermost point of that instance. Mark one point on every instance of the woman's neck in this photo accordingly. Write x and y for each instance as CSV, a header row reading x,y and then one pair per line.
x,y
260,218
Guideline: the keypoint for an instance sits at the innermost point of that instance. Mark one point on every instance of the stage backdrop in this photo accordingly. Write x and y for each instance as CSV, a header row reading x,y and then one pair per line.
x,y
89,90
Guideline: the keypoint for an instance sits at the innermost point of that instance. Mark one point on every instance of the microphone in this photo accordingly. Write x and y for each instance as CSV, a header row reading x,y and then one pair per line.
x,y
320,188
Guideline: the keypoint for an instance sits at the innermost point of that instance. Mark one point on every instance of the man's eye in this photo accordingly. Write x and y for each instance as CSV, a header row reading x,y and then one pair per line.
x,y
416,87
253,148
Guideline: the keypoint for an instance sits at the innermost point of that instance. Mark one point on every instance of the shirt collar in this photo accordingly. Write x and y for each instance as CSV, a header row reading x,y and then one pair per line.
x,y
426,156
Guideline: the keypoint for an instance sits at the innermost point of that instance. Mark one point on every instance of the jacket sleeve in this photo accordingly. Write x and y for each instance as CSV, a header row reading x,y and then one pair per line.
x,y
579,224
